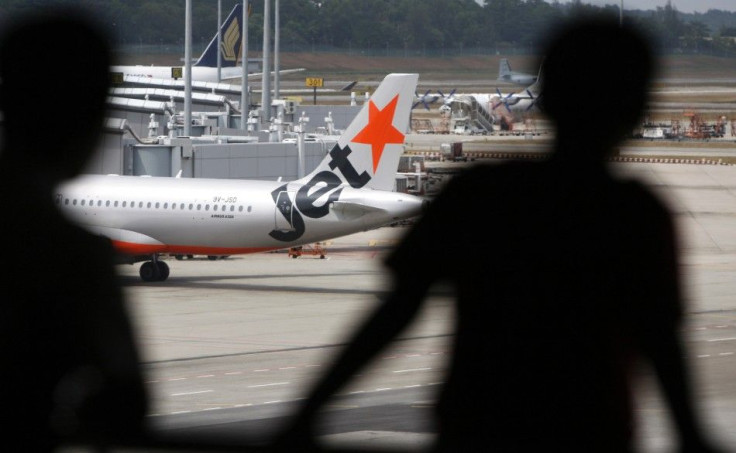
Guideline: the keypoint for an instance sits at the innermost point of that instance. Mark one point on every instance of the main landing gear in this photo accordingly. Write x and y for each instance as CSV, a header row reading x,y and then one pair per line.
x,y
154,270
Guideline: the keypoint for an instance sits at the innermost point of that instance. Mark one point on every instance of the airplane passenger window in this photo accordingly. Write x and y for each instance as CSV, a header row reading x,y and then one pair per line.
x,y
157,205
99,203
191,206
115,204
166,206
148,205
66,201
232,208
206,207
107,203
181,206
214,208
250,208
199,207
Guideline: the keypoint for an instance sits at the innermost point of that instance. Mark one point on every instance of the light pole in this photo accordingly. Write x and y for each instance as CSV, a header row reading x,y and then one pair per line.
x,y
266,79
276,51
188,68
244,104
219,41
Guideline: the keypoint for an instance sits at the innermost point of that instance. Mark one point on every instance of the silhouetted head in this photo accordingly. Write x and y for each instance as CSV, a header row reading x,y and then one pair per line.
x,y
54,70
595,79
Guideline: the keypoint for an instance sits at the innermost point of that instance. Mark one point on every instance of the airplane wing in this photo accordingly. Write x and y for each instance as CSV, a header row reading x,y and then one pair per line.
x,y
349,86
236,72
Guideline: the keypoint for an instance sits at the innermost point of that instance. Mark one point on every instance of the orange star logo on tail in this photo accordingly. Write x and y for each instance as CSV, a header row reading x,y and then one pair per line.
x,y
380,130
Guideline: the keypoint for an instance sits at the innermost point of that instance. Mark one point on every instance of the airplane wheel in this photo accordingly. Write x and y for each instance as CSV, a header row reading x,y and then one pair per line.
x,y
212,257
148,272
157,272
163,271
179,257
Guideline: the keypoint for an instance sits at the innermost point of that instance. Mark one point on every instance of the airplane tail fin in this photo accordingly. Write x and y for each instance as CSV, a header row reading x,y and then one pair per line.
x,y
367,153
504,68
232,36
536,87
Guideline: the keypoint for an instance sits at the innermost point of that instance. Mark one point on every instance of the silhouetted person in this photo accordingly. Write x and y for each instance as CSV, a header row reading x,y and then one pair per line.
x,y
70,366
564,276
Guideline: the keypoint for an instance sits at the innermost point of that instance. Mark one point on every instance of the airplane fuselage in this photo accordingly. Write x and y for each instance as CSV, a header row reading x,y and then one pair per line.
x,y
491,102
518,79
150,215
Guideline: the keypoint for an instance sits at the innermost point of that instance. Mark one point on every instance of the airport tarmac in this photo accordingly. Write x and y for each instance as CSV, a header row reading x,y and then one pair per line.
x,y
230,345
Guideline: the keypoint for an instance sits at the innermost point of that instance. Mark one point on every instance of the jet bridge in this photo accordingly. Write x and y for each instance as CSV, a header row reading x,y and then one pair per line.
x,y
178,84
141,114
201,99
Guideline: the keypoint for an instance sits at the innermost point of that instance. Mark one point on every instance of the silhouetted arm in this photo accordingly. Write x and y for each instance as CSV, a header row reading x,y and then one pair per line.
x,y
390,318
667,356
662,343
414,269
117,409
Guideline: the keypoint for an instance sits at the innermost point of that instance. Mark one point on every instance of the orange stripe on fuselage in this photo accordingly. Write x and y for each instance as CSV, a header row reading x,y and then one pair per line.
x,y
130,248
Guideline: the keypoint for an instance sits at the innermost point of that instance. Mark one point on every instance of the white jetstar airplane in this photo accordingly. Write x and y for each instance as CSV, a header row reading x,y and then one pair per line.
x,y
349,191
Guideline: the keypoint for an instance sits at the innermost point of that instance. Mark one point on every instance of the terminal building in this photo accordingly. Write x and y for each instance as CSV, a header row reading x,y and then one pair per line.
x,y
143,133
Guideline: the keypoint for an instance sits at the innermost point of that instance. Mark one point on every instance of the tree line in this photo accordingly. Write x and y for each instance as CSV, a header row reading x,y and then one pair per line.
x,y
396,24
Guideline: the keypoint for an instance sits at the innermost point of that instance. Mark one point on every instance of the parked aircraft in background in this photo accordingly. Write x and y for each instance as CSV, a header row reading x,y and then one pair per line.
x,y
521,101
505,74
498,106
478,112
205,69
350,191
428,98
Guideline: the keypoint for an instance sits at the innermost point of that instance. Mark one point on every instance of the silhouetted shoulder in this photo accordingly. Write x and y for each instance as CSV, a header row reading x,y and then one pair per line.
x,y
504,215
457,216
